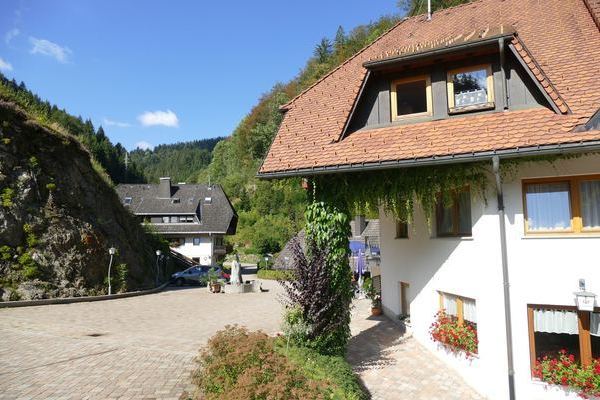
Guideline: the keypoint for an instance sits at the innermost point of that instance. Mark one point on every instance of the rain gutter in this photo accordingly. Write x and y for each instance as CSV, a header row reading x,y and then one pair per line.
x,y
518,152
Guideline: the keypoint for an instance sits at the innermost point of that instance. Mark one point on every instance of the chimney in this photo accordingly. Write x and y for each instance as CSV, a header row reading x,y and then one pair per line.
x,y
360,223
164,188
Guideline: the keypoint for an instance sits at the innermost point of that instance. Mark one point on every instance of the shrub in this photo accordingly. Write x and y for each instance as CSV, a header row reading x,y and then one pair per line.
x,y
122,273
238,364
7,197
31,239
275,274
564,371
30,267
5,253
447,331
322,287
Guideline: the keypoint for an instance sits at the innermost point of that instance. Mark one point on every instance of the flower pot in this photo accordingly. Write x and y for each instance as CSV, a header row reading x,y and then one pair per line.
x,y
376,311
215,287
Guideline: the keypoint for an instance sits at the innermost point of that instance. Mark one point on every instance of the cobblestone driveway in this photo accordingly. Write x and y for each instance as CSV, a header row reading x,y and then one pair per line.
x,y
134,348
143,348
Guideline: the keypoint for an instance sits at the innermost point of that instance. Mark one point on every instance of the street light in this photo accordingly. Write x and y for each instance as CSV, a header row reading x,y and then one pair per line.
x,y
158,253
112,252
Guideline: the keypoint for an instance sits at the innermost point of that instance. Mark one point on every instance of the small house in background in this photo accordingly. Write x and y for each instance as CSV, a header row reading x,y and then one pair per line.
x,y
194,218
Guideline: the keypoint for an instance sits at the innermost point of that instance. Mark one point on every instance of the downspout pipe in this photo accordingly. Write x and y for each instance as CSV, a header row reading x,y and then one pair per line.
x,y
505,279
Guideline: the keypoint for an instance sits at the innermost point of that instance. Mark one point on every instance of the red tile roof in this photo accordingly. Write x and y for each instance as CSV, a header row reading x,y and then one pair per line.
x,y
562,50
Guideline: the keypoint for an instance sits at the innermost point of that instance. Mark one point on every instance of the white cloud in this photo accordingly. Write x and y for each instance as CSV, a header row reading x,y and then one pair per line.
x,y
5,65
10,35
144,145
153,118
118,124
51,49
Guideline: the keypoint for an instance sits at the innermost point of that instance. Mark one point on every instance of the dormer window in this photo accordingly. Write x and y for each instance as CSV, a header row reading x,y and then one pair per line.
x,y
127,201
470,88
411,97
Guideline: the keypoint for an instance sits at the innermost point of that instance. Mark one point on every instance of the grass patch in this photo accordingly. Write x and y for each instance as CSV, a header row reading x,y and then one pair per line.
x,y
275,274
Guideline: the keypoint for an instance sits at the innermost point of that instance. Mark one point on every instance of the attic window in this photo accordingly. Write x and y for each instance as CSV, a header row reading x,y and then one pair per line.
x,y
207,200
127,201
470,88
176,200
411,97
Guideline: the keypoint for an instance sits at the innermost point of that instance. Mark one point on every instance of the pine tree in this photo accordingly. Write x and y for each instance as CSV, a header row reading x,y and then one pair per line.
x,y
323,50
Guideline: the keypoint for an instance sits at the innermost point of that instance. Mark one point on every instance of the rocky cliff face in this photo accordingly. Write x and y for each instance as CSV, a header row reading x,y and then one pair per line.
x,y
59,216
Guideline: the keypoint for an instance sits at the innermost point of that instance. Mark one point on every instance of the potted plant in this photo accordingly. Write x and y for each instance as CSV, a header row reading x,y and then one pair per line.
x,y
373,295
213,282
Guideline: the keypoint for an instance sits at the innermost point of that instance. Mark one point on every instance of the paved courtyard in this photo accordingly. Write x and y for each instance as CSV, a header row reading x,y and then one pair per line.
x,y
393,367
144,347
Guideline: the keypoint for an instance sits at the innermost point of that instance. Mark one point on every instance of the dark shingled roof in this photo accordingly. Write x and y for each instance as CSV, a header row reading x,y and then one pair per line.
x,y
218,216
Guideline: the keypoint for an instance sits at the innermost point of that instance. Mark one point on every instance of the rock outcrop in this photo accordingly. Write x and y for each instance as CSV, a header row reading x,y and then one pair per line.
x,y
59,215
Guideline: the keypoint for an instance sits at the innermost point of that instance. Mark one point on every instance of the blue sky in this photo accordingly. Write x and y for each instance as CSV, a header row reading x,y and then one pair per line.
x,y
155,72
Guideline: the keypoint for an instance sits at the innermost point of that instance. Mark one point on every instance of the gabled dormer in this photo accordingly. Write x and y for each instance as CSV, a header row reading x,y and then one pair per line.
x,y
481,71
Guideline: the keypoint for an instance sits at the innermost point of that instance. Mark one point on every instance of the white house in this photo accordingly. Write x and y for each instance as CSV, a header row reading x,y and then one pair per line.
x,y
193,217
488,83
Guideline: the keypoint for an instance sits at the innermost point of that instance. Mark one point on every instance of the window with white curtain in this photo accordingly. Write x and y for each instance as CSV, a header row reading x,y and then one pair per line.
x,y
556,328
590,203
462,308
548,206
449,304
562,205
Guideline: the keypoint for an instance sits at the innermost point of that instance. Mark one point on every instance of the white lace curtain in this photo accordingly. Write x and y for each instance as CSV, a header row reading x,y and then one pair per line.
x,y
595,324
590,203
555,321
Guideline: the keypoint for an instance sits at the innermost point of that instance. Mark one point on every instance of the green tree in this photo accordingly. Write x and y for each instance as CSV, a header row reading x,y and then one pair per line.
x,y
417,7
323,50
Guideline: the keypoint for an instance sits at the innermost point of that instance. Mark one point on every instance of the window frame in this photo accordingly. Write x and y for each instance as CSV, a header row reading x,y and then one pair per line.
x,y
455,216
583,324
452,109
394,98
401,230
194,241
576,227
460,311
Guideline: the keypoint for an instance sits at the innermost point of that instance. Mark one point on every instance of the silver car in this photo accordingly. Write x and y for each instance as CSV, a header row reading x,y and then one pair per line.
x,y
195,275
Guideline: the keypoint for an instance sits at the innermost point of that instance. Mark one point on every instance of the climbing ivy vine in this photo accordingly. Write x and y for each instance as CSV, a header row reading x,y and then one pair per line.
x,y
397,190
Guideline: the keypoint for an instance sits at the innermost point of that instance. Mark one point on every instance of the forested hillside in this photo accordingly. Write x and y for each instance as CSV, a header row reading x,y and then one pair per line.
x,y
111,157
180,161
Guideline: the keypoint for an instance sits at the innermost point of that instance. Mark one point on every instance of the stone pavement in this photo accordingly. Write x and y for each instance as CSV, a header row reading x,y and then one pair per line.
x,y
394,367
144,347
134,348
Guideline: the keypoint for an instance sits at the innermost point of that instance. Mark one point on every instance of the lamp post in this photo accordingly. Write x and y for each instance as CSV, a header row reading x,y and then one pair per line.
x,y
112,252
585,300
158,253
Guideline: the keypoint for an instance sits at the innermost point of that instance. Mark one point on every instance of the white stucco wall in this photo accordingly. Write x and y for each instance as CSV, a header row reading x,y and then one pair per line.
x,y
204,251
542,271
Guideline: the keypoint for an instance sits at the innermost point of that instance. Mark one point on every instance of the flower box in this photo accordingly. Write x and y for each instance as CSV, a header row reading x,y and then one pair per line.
x,y
563,370
457,337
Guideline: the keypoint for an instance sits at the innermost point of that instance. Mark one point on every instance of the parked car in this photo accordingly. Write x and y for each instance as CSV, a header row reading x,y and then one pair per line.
x,y
194,275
